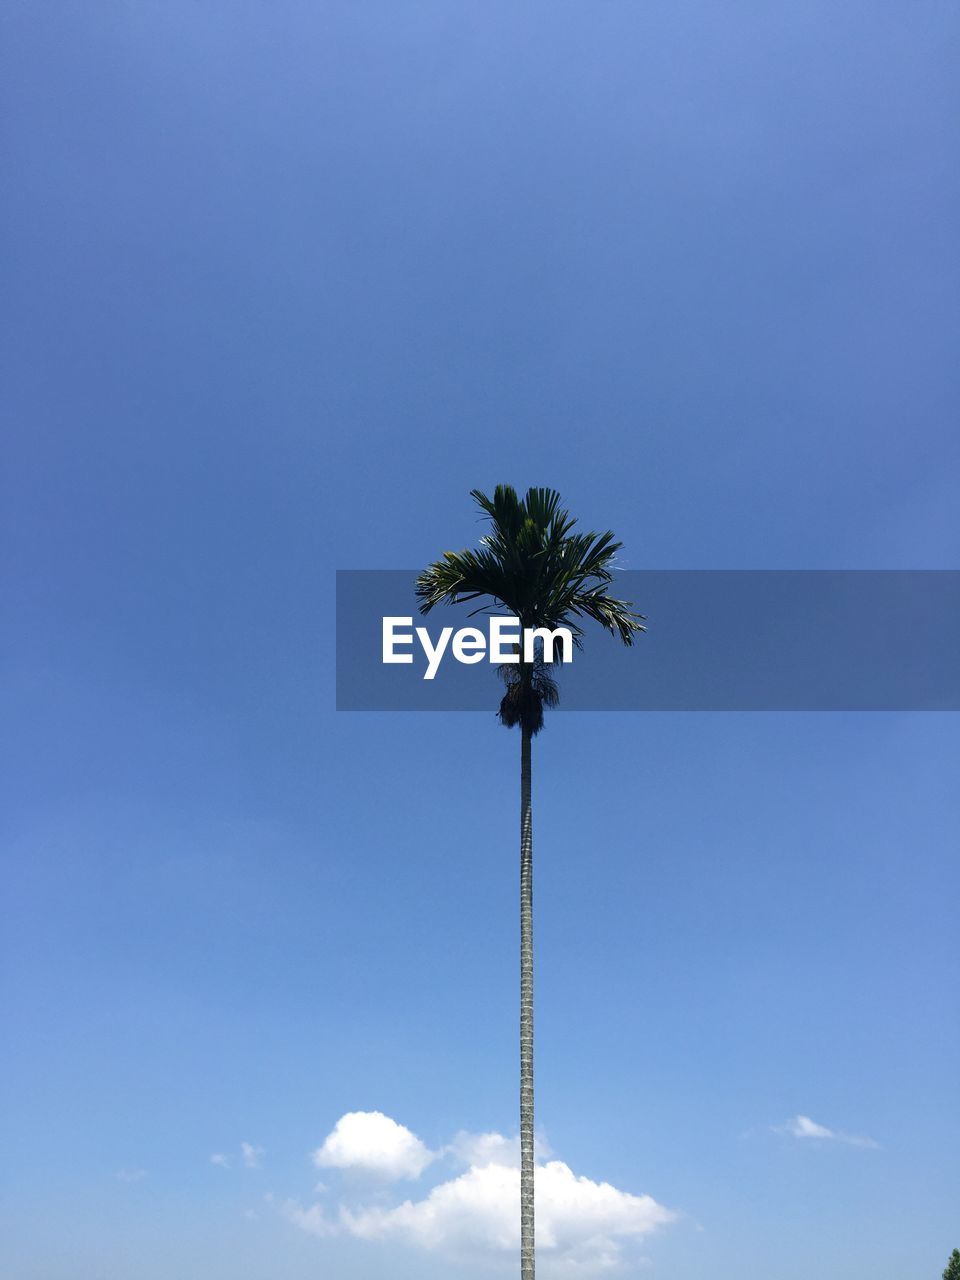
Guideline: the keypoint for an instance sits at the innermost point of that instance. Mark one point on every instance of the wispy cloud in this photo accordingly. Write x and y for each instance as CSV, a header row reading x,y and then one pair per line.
x,y
131,1175
803,1128
251,1155
582,1225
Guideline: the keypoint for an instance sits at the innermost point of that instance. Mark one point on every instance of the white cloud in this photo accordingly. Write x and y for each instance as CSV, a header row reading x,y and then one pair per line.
x,y
803,1127
220,1159
131,1175
582,1225
484,1148
372,1142
251,1155
491,1148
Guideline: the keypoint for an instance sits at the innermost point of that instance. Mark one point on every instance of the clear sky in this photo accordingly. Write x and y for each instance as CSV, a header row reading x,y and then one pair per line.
x,y
281,284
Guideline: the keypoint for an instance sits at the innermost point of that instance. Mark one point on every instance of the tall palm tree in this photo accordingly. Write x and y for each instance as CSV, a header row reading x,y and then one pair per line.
x,y
530,564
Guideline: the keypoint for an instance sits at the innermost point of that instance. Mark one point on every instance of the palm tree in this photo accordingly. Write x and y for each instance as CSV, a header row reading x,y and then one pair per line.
x,y
531,565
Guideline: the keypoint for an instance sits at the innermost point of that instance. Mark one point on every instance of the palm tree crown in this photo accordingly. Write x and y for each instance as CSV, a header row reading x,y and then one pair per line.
x,y
534,566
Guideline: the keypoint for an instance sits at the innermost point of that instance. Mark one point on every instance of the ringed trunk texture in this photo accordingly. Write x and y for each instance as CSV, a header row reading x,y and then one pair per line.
x,y
526,1015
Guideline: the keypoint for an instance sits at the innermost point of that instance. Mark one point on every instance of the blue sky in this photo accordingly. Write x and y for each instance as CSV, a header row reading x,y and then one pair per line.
x,y
281,285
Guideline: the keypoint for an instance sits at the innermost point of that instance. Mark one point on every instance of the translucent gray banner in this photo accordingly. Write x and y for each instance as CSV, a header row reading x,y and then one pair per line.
x,y
716,640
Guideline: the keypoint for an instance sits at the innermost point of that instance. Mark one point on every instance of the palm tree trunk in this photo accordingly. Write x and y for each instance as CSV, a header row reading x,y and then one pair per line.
x,y
526,1014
